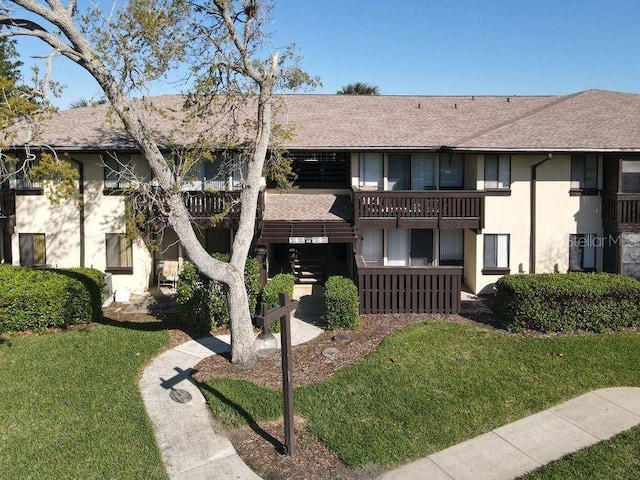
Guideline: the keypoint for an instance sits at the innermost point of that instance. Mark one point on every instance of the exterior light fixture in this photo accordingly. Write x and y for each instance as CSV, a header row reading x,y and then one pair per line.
x,y
265,344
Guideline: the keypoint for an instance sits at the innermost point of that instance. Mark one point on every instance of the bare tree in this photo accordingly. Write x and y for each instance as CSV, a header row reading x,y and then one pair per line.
x,y
127,47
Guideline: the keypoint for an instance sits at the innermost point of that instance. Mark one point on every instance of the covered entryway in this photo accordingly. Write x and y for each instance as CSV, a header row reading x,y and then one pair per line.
x,y
308,235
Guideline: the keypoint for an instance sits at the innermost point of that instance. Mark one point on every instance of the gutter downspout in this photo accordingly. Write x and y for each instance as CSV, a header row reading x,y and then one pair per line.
x,y
532,213
81,209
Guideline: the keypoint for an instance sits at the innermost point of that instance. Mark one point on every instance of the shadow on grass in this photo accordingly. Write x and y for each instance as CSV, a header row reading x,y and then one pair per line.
x,y
277,444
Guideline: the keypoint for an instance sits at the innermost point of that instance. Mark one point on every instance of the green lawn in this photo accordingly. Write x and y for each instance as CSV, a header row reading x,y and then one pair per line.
x,y
70,406
436,384
614,459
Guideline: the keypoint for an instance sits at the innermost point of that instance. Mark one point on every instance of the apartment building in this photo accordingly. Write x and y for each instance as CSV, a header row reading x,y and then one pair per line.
x,y
415,197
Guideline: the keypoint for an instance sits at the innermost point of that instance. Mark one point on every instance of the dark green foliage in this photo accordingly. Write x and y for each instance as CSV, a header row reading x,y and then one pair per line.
x,y
341,303
202,303
567,302
32,299
282,282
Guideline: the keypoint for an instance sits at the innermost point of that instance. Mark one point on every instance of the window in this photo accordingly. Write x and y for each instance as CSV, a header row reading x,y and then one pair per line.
x,y
451,247
630,176
421,247
582,252
496,254
117,172
371,171
631,254
22,180
584,174
119,253
451,171
372,245
33,249
398,247
497,171
416,171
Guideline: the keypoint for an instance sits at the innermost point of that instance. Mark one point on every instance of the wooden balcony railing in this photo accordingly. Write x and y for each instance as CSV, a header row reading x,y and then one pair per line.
x,y
466,206
408,289
7,203
204,205
621,207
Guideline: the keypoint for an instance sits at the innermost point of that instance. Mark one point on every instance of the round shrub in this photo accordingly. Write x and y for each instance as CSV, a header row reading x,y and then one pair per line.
x,y
341,303
282,282
34,299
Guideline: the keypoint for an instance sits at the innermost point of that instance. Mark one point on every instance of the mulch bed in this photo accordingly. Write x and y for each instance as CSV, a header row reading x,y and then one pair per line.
x,y
260,445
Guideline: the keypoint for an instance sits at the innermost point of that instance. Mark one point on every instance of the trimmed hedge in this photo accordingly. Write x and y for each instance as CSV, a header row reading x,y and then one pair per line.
x,y
341,303
557,302
34,299
282,282
202,303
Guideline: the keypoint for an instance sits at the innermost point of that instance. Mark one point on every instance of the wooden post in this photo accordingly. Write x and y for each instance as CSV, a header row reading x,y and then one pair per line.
x,y
287,381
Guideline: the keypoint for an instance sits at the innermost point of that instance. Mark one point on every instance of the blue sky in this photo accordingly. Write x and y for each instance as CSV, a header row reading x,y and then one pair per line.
x,y
447,47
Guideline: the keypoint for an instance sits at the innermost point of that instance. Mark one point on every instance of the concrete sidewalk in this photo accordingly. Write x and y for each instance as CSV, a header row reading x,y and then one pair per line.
x,y
182,422
519,447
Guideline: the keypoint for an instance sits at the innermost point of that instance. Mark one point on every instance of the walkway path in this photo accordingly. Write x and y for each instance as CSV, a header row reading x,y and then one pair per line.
x,y
192,449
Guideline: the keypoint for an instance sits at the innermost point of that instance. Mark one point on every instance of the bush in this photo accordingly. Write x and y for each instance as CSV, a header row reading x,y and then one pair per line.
x,y
202,303
568,302
34,299
341,303
282,282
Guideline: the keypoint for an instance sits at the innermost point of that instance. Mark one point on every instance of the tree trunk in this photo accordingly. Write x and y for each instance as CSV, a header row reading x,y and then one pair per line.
x,y
242,336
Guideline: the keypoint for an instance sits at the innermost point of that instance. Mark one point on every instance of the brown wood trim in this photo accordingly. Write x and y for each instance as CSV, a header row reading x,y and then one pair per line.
x,y
113,191
498,192
119,270
28,191
579,192
496,271
409,222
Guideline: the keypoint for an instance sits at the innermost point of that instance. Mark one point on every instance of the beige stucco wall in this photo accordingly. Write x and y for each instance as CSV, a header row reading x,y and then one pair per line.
x,y
558,216
60,224
105,214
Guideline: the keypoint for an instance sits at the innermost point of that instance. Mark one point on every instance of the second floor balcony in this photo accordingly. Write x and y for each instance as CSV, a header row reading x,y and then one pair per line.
x,y
419,208
203,206
621,211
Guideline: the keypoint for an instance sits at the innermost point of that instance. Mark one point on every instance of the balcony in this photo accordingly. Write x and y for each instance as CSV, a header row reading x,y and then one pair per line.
x,y
419,209
385,289
621,211
203,206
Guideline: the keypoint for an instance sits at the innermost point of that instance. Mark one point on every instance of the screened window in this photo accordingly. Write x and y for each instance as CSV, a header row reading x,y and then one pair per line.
x,y
423,171
496,253
33,249
451,171
497,171
119,253
398,246
117,171
584,173
630,176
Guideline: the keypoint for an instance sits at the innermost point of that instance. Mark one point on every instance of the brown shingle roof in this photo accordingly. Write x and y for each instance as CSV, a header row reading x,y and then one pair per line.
x,y
591,120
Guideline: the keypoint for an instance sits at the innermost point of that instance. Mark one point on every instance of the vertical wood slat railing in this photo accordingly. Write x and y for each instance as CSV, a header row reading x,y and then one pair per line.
x,y
621,207
7,202
206,204
418,203
408,289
